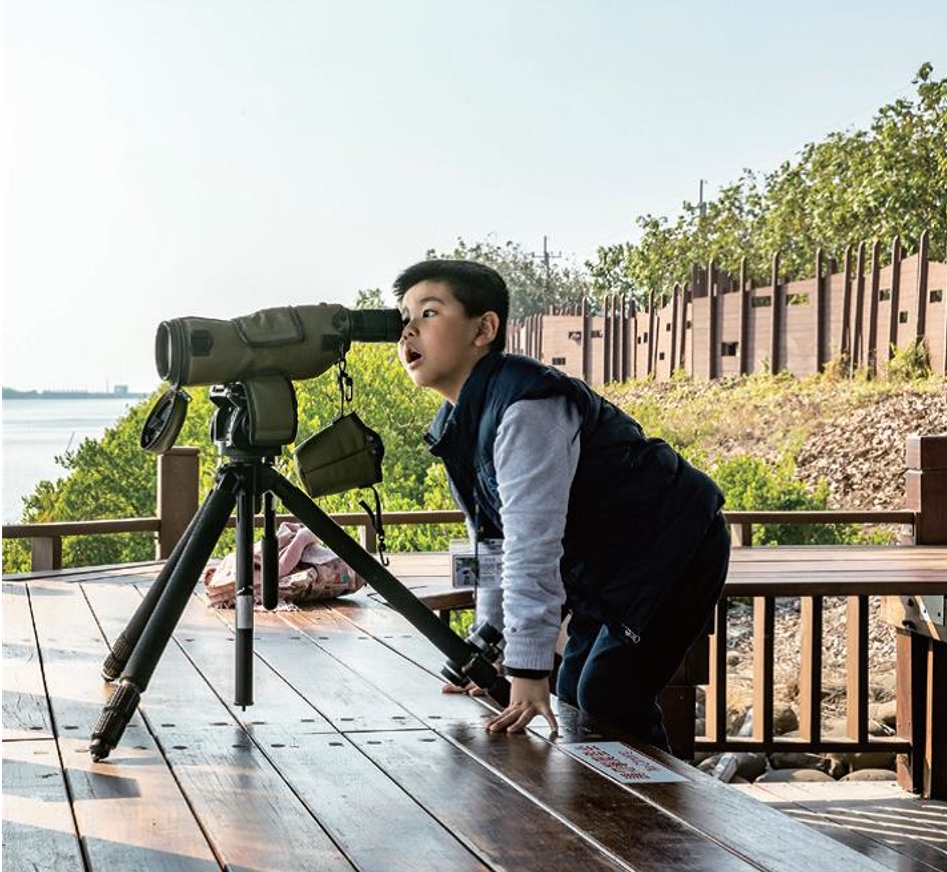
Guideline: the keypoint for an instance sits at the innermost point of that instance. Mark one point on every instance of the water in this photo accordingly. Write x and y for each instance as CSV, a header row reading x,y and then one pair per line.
x,y
35,431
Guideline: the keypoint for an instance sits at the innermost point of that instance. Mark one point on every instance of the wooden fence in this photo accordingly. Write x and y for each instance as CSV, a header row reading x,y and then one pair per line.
x,y
719,324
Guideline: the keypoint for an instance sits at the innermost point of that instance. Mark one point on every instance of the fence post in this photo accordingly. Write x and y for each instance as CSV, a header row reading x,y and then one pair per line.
x,y
858,332
923,268
922,642
872,347
777,321
818,310
845,340
177,496
896,256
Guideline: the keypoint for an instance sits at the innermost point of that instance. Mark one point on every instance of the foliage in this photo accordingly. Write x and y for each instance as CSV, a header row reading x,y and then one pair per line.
x,y
536,283
854,185
752,484
114,478
369,298
911,363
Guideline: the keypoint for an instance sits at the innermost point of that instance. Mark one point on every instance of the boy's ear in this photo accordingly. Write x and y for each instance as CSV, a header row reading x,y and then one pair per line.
x,y
487,329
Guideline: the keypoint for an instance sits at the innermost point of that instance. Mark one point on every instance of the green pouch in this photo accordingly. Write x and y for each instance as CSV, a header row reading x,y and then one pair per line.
x,y
345,456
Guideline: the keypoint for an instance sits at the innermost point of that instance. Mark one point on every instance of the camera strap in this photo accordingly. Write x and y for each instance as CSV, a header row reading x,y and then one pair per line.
x,y
377,525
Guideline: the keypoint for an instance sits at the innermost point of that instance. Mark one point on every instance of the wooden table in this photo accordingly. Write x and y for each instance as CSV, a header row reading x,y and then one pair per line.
x,y
350,758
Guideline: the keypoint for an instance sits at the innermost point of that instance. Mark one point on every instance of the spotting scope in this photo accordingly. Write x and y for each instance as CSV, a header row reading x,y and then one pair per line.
x,y
298,342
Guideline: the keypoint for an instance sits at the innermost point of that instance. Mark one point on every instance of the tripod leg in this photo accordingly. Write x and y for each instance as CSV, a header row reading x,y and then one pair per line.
x,y
243,648
165,615
270,554
463,656
128,638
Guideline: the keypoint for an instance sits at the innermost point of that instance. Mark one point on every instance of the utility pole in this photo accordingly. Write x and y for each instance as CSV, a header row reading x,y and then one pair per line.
x,y
547,257
702,207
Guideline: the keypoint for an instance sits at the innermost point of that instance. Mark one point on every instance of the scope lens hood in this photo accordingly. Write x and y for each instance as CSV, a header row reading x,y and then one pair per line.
x,y
164,421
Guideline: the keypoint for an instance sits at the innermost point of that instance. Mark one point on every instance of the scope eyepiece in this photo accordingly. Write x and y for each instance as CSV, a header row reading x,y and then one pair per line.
x,y
375,325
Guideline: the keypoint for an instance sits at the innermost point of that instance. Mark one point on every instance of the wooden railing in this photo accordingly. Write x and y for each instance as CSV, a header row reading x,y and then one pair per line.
x,y
922,662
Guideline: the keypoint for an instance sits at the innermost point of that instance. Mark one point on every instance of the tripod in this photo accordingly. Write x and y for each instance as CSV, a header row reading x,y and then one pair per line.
x,y
247,481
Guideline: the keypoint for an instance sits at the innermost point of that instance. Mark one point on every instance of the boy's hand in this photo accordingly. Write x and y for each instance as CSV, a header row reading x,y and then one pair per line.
x,y
470,689
528,697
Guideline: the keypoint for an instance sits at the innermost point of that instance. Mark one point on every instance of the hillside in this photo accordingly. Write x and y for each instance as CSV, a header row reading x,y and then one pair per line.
x,y
851,434
847,435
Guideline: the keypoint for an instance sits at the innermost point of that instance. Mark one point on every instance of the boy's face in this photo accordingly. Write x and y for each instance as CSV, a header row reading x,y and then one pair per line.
x,y
440,344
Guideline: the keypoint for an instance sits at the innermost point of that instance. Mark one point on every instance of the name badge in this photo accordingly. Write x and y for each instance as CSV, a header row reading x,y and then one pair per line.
x,y
484,569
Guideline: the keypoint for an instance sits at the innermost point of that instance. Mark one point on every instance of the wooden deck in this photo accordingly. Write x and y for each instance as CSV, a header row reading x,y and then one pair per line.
x,y
351,758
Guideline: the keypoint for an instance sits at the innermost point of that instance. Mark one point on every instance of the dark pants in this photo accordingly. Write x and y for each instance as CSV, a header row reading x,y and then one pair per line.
x,y
608,678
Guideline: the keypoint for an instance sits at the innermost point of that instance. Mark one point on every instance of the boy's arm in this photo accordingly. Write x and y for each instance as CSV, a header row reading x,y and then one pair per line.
x,y
535,455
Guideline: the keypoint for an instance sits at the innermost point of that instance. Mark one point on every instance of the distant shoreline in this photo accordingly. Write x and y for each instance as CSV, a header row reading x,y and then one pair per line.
x,y
117,394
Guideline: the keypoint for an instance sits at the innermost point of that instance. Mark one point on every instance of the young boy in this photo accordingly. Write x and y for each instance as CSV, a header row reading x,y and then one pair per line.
x,y
595,519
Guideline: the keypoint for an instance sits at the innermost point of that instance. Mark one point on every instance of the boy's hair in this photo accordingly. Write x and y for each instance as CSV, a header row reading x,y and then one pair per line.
x,y
476,286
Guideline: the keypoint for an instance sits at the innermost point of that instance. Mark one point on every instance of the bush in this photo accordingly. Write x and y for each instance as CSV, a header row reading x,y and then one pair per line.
x,y
752,484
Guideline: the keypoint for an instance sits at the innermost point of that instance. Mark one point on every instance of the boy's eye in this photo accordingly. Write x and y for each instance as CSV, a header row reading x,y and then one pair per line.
x,y
428,312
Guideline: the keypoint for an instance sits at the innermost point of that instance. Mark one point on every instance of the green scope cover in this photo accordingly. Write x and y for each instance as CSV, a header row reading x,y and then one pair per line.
x,y
344,456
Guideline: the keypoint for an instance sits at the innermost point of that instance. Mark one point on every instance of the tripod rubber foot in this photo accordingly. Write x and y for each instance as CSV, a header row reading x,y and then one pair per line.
x,y
115,716
115,663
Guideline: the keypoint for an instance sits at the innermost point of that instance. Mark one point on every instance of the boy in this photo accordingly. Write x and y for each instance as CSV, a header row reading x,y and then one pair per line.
x,y
595,519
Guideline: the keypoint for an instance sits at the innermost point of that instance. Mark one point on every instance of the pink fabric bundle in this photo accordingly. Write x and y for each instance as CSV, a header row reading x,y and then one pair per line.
x,y
308,571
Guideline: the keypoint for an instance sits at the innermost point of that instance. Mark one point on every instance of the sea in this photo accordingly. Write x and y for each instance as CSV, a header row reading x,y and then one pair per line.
x,y
36,431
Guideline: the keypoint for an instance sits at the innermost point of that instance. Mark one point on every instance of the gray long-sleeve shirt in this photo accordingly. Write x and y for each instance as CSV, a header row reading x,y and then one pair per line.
x,y
535,455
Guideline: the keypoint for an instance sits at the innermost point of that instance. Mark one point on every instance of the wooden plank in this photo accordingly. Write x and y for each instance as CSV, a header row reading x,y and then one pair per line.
x,y
810,678
764,637
39,832
856,660
25,710
207,643
501,825
250,815
414,688
344,698
623,823
373,821
154,829
877,820
745,827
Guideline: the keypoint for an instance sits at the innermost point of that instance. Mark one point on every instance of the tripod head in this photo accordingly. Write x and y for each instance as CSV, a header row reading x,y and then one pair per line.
x,y
255,417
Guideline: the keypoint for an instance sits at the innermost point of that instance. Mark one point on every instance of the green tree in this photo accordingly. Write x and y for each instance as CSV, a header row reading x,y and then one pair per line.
x,y
534,285
369,298
853,186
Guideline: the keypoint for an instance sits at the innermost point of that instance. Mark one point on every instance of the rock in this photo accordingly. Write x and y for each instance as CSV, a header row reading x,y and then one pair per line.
x,y
775,775
786,720
871,775
798,760
733,659
872,760
750,765
836,768
708,763
834,727
885,713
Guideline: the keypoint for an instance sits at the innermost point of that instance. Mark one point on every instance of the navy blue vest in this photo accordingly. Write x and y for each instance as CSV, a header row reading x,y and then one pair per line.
x,y
637,509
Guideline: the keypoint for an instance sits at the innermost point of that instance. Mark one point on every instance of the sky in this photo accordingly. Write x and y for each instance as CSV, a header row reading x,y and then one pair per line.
x,y
169,158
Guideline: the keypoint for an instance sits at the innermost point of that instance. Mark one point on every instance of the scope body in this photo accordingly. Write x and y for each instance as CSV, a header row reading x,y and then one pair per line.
x,y
298,342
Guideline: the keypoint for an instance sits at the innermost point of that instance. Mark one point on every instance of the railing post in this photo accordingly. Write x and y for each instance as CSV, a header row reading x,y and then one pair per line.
x,y
45,553
926,487
922,639
177,496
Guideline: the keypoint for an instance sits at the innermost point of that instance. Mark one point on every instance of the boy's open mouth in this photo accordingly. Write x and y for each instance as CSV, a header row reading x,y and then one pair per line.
x,y
411,356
